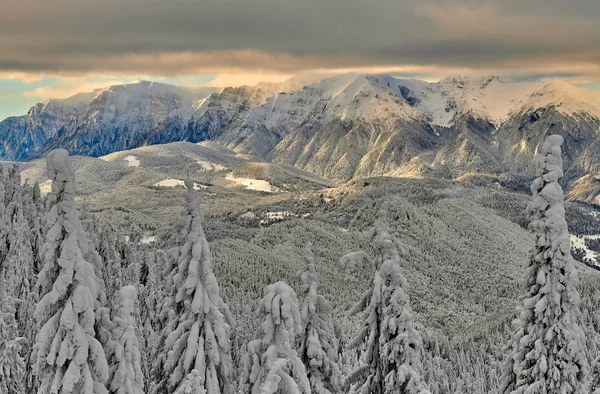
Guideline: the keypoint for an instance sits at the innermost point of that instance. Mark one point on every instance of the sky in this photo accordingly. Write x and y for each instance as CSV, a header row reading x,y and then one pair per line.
x,y
53,49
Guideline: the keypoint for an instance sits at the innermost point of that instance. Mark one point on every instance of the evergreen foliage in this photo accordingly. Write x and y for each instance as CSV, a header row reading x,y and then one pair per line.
x,y
547,350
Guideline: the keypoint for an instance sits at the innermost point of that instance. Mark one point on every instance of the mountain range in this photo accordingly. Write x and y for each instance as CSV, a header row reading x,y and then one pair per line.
x,y
344,127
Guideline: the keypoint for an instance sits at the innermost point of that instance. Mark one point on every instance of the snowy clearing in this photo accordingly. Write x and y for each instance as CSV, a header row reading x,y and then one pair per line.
x,y
252,184
45,187
146,239
209,166
279,215
579,242
132,161
170,182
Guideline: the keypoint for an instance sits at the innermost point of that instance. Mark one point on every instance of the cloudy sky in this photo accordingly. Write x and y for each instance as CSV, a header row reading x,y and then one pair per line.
x,y
60,47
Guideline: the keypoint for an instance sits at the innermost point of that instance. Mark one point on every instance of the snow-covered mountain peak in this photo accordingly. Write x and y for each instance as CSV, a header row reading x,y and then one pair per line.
x,y
565,98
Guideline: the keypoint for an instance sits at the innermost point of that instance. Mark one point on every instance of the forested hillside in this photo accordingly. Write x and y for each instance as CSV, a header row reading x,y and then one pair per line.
x,y
382,285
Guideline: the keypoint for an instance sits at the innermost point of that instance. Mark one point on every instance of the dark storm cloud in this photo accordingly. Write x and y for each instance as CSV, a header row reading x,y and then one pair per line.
x,y
184,36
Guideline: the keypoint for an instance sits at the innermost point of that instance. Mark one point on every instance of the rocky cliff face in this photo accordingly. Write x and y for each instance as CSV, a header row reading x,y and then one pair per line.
x,y
340,127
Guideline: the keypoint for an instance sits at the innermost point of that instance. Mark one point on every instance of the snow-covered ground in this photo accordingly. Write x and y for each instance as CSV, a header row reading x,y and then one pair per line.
x,y
252,184
579,242
209,166
147,238
279,215
170,182
45,187
132,161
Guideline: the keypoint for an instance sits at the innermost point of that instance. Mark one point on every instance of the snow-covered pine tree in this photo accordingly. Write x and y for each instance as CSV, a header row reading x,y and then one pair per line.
x,y
198,333
34,208
104,325
12,363
88,223
192,384
123,350
391,362
272,364
18,276
547,350
69,359
111,260
4,224
317,348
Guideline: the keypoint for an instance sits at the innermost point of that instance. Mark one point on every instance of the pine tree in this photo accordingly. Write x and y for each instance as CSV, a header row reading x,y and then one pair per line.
x,y
547,350
18,276
198,333
34,207
192,384
391,362
317,341
5,220
112,263
12,363
18,271
91,254
272,364
123,350
69,359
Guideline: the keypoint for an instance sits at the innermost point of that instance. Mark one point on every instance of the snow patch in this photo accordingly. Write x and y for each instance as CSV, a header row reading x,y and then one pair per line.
x,y
170,182
45,187
252,184
279,215
209,166
132,161
147,238
579,242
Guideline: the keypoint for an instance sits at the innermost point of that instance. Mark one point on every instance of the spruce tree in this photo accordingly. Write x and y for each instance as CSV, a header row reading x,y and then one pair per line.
x,y
69,359
12,362
197,335
18,271
317,341
547,350
272,364
123,350
5,217
391,362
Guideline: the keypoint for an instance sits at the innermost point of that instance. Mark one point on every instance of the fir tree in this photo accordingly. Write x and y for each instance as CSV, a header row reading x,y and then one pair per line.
x,y
198,333
547,350
192,384
123,350
18,271
12,363
69,359
91,254
391,362
317,341
272,364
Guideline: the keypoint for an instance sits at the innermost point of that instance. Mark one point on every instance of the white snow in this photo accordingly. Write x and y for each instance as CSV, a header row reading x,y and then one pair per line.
x,y
579,242
147,238
490,97
132,161
170,182
209,166
567,99
278,215
378,97
45,187
252,184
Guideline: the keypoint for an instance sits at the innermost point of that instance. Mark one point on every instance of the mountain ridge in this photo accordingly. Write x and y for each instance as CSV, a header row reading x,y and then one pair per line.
x,y
339,127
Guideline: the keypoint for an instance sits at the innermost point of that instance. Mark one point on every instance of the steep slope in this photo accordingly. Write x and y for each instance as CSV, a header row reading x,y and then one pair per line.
x,y
340,127
22,136
119,116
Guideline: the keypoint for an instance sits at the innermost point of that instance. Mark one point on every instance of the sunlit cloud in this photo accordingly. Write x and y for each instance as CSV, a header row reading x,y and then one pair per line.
x,y
69,87
83,44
